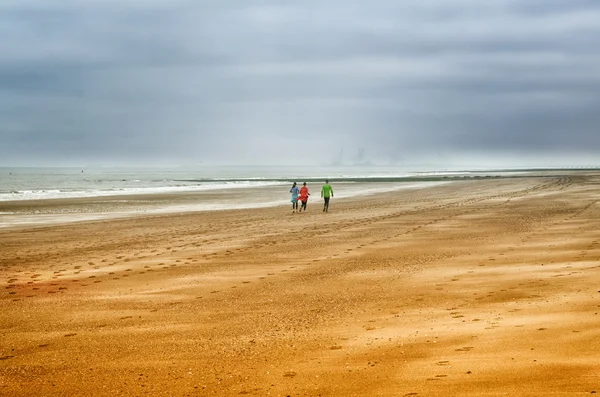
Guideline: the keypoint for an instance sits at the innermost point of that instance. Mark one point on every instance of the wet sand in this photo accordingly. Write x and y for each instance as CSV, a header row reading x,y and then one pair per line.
x,y
478,288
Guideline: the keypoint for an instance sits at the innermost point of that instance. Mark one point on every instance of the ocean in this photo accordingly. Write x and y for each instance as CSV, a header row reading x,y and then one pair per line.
x,y
27,195
69,182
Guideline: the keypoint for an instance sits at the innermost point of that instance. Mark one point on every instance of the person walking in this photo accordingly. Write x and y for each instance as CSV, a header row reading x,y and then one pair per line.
x,y
304,193
326,193
295,193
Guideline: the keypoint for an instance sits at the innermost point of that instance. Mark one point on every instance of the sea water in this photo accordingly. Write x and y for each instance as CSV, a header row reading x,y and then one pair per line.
x,y
48,183
213,188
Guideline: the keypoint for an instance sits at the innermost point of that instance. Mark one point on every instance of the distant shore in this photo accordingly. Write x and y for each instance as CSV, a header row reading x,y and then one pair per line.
x,y
64,210
274,193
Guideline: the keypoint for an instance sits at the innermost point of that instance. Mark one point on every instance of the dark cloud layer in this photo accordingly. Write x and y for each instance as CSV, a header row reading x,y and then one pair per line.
x,y
256,81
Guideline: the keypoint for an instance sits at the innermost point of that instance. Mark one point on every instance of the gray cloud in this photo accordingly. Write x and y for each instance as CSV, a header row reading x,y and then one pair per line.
x,y
251,81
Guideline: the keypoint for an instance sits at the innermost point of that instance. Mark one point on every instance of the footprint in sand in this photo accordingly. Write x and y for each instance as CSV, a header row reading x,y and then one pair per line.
x,y
464,349
68,335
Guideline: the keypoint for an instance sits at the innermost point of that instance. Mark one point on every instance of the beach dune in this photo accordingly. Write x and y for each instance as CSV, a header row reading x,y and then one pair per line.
x,y
479,288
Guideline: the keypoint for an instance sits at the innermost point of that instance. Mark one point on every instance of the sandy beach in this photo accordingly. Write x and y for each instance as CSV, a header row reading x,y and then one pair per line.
x,y
473,288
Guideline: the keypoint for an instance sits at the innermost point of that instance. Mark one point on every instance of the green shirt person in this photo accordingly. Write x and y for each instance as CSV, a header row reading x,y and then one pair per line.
x,y
326,193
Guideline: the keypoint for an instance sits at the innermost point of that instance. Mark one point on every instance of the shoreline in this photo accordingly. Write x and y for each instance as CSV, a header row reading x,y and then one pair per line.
x,y
77,209
104,183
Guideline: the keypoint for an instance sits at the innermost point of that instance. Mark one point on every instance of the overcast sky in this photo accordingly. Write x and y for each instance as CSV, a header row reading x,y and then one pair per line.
x,y
168,82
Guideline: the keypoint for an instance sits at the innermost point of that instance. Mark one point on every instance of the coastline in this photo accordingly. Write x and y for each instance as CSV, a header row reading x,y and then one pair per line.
x,y
472,288
77,209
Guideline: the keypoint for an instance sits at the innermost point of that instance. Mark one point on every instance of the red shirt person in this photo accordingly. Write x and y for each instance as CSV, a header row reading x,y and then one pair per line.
x,y
303,196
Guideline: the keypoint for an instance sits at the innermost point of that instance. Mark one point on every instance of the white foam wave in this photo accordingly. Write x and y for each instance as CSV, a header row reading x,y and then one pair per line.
x,y
55,193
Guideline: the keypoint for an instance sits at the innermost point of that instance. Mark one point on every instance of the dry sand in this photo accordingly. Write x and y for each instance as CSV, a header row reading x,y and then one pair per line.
x,y
476,288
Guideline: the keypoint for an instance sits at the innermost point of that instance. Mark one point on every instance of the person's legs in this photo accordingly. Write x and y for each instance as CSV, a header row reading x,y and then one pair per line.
x,y
326,207
304,205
